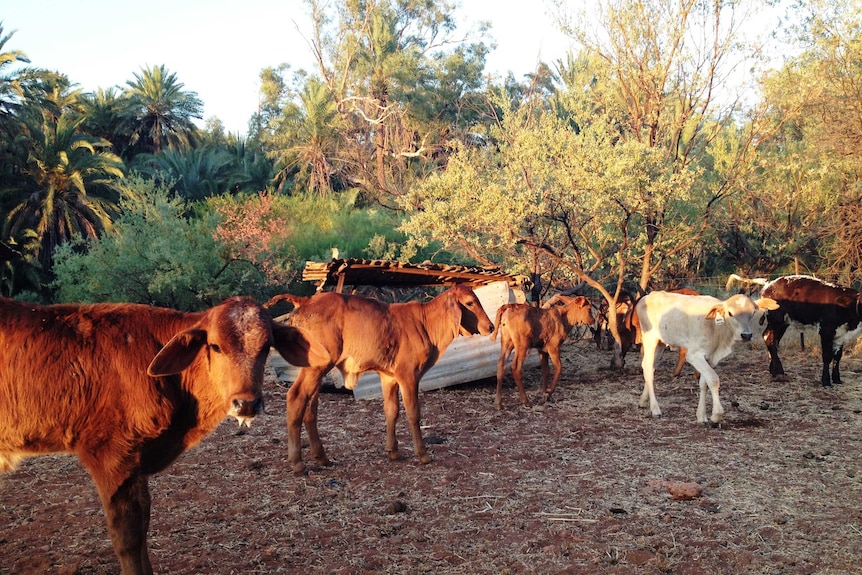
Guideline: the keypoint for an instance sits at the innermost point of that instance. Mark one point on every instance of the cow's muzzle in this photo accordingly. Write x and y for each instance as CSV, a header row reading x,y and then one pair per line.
x,y
746,337
245,410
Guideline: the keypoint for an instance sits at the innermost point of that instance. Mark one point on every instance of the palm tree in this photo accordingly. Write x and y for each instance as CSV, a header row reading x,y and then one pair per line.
x,y
254,170
193,175
163,111
11,91
107,114
309,139
11,96
69,184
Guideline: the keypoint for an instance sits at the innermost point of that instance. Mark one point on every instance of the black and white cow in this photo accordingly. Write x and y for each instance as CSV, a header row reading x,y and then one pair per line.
x,y
810,301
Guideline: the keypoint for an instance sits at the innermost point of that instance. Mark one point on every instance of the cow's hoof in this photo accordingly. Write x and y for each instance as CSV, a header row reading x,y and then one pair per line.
x,y
393,455
781,378
300,470
425,459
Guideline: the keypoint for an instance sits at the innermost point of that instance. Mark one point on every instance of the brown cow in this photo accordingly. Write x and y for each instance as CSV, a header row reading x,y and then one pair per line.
x,y
127,388
399,341
522,327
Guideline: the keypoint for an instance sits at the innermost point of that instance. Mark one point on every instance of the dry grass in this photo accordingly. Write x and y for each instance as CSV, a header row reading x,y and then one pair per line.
x,y
575,486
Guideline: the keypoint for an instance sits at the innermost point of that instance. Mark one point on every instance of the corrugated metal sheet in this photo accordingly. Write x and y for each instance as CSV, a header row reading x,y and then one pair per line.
x,y
466,359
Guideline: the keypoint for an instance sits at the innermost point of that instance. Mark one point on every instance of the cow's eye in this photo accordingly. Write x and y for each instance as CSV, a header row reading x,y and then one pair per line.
x,y
215,347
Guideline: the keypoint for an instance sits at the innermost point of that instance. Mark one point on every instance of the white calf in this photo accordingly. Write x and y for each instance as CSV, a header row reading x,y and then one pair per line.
x,y
705,326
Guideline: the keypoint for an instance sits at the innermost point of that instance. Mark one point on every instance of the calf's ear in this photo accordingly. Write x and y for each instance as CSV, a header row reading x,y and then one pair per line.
x,y
767,303
297,346
178,353
716,313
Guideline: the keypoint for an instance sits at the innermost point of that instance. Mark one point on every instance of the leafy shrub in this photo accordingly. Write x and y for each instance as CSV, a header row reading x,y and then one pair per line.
x,y
154,254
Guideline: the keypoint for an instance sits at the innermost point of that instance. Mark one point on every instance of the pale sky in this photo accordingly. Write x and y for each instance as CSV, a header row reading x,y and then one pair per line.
x,y
217,48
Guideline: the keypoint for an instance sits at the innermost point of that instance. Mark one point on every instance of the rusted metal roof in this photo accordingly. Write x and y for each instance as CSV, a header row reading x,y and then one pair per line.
x,y
339,272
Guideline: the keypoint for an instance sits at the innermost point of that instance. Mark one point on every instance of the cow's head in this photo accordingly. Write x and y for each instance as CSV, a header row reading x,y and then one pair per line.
x,y
232,340
473,319
739,311
579,311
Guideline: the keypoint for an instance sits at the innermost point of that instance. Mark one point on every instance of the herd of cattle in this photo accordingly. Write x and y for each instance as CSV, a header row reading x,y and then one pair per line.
x,y
128,388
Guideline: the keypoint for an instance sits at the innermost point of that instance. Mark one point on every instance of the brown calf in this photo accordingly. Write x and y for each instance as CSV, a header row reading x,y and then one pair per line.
x,y
399,341
522,327
127,388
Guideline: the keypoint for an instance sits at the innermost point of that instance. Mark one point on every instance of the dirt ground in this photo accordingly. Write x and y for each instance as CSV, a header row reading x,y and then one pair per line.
x,y
582,485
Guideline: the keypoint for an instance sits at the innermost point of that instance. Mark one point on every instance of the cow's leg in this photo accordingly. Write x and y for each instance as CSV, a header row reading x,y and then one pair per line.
x,y
554,355
836,359
505,351
127,509
389,388
145,502
315,445
708,381
546,374
410,397
679,362
827,339
518,373
651,351
301,408
772,337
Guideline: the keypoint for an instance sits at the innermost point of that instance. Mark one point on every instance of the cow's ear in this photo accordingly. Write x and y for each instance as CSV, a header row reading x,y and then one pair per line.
x,y
767,303
716,313
454,310
178,353
297,346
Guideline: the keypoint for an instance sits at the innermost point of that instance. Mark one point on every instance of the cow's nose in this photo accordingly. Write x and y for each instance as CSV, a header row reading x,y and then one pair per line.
x,y
746,337
245,408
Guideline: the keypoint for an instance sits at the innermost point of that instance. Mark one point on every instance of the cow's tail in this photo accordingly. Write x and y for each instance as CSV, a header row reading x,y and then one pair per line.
x,y
497,321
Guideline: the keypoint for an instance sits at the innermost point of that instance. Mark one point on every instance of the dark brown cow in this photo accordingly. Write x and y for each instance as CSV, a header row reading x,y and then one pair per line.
x,y
809,301
400,341
127,388
523,327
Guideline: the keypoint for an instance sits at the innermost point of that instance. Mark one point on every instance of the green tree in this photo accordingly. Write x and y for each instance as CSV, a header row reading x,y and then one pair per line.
x,y
163,112
623,170
11,89
308,140
69,188
156,254
814,167
107,115
194,174
386,65
12,92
